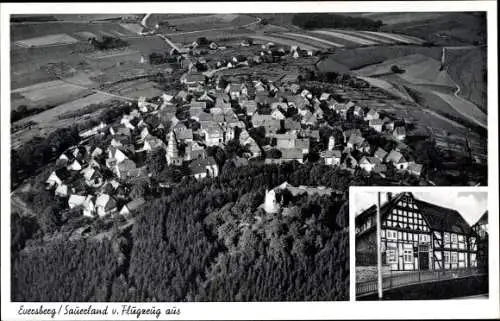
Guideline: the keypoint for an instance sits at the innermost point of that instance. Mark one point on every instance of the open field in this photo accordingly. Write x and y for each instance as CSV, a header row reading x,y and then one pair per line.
x,y
346,37
418,69
26,31
467,68
214,21
313,40
136,88
395,90
356,58
391,18
47,93
450,28
465,108
285,41
45,41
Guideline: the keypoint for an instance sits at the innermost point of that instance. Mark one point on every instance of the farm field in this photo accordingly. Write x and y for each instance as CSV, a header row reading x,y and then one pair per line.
x,y
464,107
205,22
357,58
21,31
47,93
392,18
285,41
136,88
418,70
467,68
49,40
395,90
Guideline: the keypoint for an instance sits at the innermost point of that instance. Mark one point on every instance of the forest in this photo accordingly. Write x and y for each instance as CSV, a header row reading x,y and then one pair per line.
x,y
207,240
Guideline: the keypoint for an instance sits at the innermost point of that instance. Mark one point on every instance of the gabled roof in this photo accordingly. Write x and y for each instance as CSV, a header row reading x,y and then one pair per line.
x,y
483,219
437,217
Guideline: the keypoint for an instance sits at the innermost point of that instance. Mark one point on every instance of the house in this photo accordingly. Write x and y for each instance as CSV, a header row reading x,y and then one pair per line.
x,y
397,159
213,135
358,112
76,200
415,169
193,79
399,133
372,114
379,169
93,177
184,134
388,124
212,45
250,107
122,169
194,151
416,235
291,124
298,102
89,206
75,165
62,190
324,96
201,168
349,161
115,156
291,154
376,124
132,206
105,204
277,114
380,154
53,180
355,141
332,157
233,90
368,163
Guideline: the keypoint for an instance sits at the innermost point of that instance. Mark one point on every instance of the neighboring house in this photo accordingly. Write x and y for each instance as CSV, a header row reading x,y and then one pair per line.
x,y
332,157
201,168
376,124
105,204
277,114
372,114
250,107
213,135
380,154
132,206
397,159
415,169
399,133
368,163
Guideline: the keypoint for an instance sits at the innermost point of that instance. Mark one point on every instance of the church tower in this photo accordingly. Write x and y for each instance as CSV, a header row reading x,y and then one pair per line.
x,y
331,143
172,150
271,205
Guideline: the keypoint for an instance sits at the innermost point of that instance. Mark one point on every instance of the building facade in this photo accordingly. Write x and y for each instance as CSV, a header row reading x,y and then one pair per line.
x,y
416,235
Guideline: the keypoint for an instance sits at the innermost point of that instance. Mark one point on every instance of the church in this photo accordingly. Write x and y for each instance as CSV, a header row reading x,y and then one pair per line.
x,y
415,235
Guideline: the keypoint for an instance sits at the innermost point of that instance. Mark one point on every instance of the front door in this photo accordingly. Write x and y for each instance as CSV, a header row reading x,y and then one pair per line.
x,y
423,260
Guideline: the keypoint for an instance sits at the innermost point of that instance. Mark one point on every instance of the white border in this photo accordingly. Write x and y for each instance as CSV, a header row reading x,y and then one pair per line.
x,y
266,310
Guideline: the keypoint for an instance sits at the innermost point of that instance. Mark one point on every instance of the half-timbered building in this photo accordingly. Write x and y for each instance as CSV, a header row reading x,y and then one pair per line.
x,y
480,228
416,235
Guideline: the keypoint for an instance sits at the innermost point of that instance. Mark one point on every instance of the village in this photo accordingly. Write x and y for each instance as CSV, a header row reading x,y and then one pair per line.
x,y
273,121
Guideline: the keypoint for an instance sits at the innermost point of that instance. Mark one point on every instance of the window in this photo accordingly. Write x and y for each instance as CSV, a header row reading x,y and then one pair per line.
x,y
400,235
382,233
453,238
391,234
454,258
391,256
408,255
405,236
446,257
447,237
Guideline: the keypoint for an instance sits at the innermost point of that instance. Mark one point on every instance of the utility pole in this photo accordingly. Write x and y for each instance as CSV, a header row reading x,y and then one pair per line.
x,y
379,252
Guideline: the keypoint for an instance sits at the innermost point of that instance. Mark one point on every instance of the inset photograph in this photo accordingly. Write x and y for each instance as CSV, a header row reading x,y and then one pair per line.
x,y
420,244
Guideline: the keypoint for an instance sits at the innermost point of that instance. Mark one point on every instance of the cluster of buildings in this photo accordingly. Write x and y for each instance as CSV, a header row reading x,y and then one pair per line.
x,y
211,111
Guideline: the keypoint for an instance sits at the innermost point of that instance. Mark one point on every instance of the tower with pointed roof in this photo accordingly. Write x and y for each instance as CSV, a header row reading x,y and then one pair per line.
x,y
172,150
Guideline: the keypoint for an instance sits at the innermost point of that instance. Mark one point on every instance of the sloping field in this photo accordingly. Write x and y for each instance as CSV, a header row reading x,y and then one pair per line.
x,y
468,69
391,88
50,93
85,35
132,27
346,37
368,36
315,39
33,30
419,70
203,22
358,58
465,108
49,40
391,18
285,41
396,37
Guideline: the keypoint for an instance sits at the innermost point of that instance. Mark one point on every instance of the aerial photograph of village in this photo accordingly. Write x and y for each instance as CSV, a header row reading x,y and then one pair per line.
x,y
207,157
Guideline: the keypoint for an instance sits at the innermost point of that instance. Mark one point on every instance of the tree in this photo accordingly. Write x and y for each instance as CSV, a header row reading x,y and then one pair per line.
x,y
395,69
156,162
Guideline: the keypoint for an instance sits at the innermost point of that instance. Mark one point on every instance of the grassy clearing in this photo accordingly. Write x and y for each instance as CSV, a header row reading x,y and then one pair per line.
x,y
286,42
